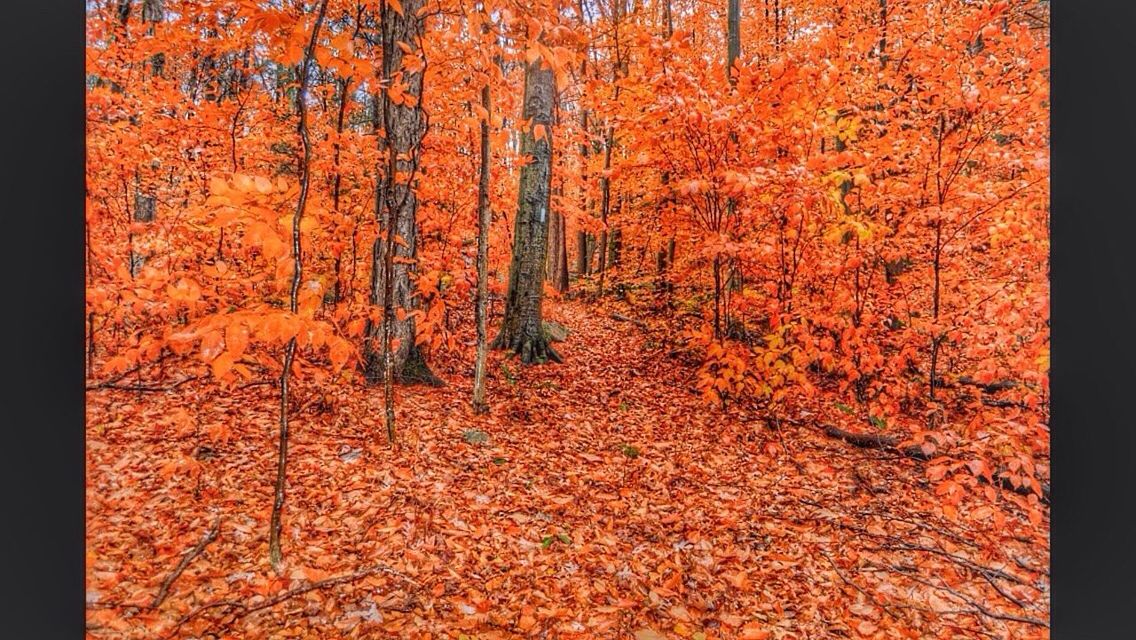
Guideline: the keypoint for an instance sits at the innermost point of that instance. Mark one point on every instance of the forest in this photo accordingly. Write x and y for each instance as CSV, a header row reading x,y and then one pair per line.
x,y
639,319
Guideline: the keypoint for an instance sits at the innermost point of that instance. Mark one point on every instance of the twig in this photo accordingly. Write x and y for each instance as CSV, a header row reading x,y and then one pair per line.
x,y
139,387
247,609
110,382
978,608
858,587
187,558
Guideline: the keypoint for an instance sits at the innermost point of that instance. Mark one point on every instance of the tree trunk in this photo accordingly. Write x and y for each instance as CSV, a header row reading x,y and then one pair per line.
x,y
275,554
483,221
521,330
605,206
403,128
556,269
582,253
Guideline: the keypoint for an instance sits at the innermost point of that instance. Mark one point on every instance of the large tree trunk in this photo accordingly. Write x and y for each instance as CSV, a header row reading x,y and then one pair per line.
x,y
403,128
521,330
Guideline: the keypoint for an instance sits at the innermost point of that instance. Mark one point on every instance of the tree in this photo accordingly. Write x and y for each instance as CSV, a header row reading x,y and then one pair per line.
x,y
275,554
396,202
484,219
521,330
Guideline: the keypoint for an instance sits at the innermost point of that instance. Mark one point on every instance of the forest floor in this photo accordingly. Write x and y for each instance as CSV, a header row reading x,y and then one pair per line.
x,y
599,498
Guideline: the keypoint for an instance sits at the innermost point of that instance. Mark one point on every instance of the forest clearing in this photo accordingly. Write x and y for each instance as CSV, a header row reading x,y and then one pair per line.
x,y
567,319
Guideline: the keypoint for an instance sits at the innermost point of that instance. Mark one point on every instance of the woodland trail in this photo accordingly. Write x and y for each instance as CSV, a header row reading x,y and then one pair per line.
x,y
599,498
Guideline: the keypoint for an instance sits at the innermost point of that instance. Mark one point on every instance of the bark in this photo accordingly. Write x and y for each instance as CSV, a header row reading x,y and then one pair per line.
x,y
483,221
615,247
605,206
556,269
404,128
275,555
562,269
521,330
733,40
583,264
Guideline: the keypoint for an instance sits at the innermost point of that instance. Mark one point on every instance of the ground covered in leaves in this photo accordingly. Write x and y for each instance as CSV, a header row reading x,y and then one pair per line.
x,y
599,498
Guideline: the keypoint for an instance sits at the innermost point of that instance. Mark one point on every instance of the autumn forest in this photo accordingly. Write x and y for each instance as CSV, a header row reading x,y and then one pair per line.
x,y
645,319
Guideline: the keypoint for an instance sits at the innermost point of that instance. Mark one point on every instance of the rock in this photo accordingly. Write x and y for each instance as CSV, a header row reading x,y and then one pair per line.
x,y
554,331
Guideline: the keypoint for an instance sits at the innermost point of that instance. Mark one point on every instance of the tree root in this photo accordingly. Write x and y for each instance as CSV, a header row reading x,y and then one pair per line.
x,y
531,349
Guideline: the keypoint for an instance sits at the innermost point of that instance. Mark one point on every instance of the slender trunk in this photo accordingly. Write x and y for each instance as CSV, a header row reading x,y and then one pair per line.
x,y
583,264
274,553
605,206
936,338
483,220
337,182
562,270
717,266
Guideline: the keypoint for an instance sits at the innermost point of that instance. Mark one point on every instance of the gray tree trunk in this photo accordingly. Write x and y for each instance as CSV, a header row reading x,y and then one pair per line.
x,y
521,330
483,220
403,127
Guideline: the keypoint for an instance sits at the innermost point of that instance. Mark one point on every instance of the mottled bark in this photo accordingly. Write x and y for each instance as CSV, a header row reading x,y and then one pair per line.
x,y
521,330
483,220
397,205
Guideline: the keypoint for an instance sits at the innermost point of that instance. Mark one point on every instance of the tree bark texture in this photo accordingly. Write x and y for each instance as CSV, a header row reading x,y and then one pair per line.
x,y
521,330
404,128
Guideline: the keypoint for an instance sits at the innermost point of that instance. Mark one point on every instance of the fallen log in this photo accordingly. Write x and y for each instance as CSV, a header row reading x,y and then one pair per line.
x,y
989,387
875,441
622,318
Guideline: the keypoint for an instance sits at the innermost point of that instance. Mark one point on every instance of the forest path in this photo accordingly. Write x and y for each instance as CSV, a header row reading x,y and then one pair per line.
x,y
600,497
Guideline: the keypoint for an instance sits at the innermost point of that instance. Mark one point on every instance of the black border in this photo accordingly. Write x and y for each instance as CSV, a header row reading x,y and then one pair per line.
x,y
1093,312
1093,320
42,273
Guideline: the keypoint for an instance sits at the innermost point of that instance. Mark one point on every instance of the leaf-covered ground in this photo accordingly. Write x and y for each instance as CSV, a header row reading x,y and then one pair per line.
x,y
600,498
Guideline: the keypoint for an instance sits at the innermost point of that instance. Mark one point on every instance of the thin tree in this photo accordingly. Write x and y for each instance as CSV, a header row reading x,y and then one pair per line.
x,y
484,217
274,554
521,330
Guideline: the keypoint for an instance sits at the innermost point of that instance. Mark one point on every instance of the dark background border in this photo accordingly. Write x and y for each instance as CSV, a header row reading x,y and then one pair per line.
x,y
1093,313
41,312
1093,319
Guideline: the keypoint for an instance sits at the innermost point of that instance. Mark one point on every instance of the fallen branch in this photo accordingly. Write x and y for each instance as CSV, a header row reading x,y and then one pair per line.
x,y
989,387
248,609
141,387
875,441
110,382
886,442
857,587
209,536
976,606
622,318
